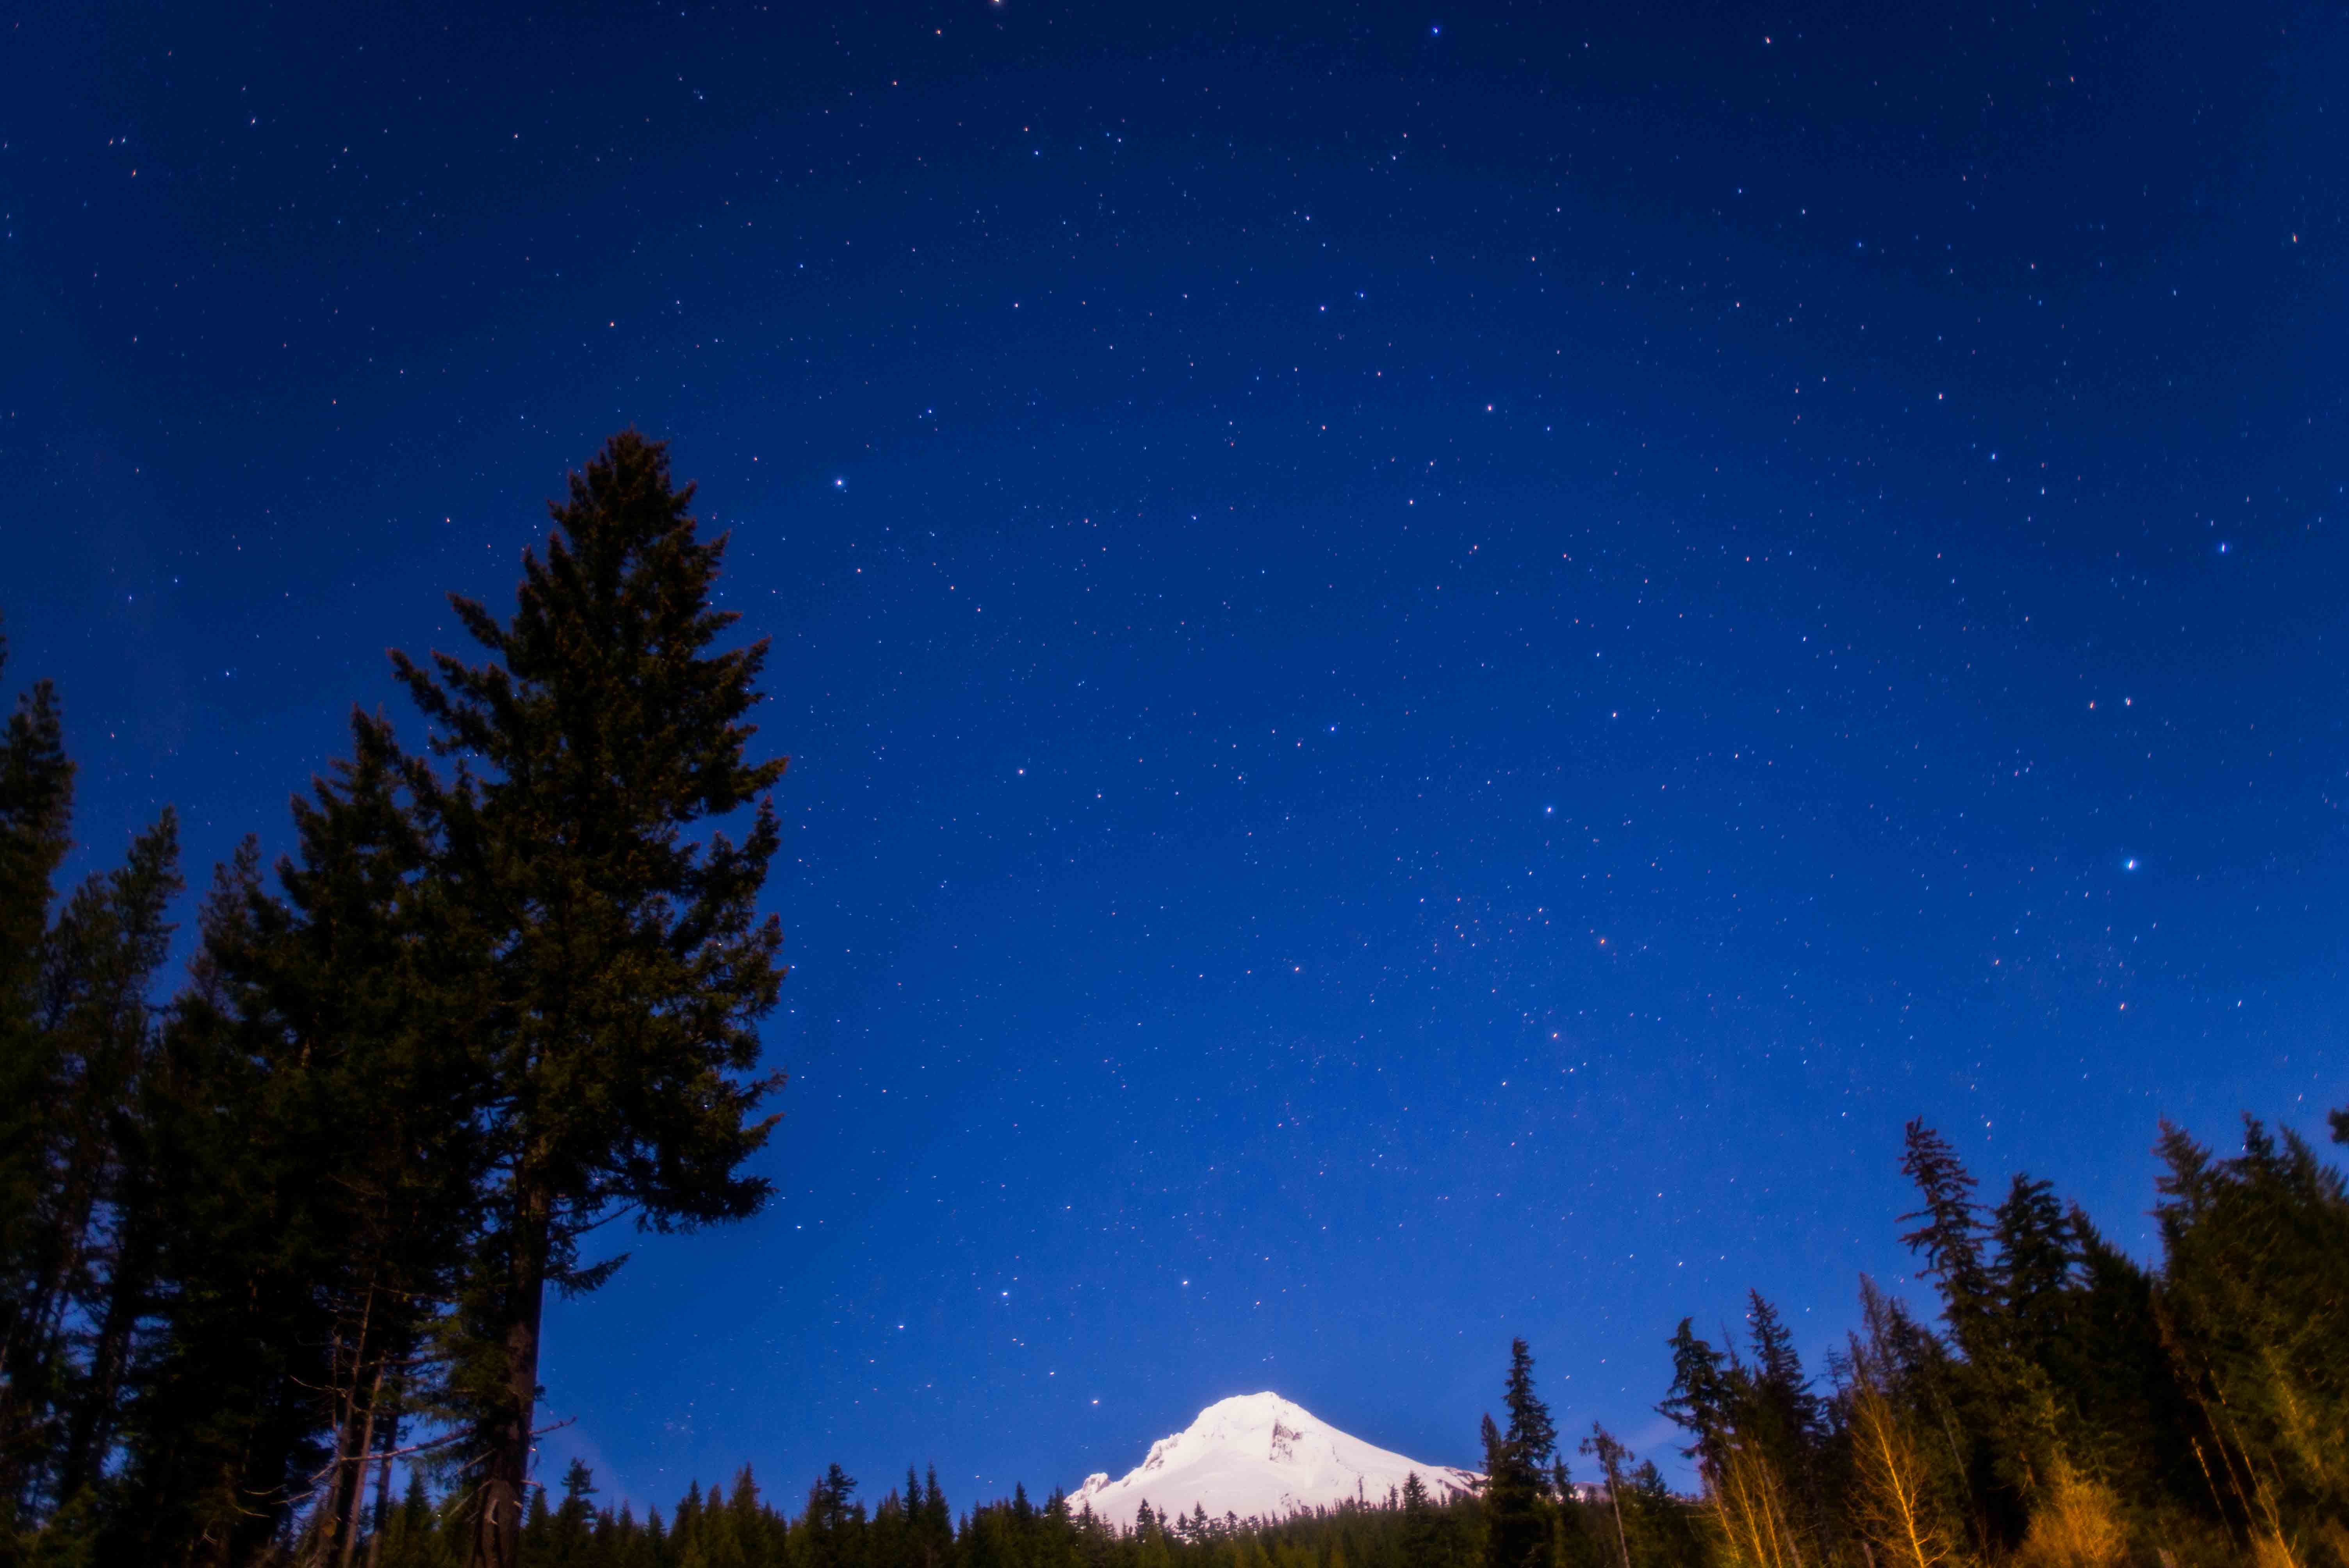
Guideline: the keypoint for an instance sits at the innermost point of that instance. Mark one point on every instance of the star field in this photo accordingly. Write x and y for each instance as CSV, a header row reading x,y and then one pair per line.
x,y
1437,665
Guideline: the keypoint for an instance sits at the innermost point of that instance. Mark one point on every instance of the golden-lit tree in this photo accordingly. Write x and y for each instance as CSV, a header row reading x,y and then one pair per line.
x,y
1893,1506
1748,1502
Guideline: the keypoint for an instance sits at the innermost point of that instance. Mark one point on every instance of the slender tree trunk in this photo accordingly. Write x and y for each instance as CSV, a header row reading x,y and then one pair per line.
x,y
91,1432
36,1358
354,1434
350,1484
505,1461
1614,1497
383,1487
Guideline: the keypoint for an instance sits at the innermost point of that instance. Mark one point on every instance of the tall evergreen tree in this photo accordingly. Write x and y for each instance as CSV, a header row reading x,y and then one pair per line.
x,y
1978,1418
79,1233
1532,1435
306,1262
2254,1300
932,1524
1516,1478
630,965
36,824
1949,1228
376,978
222,1435
105,957
1782,1412
2035,1255
1418,1543
2133,1419
1781,1391
830,1530
1702,1399
77,1030
1781,1419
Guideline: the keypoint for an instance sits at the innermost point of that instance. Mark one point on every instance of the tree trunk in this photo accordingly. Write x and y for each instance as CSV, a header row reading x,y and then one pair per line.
x,y
90,1434
350,1475
1615,1501
383,1484
505,1438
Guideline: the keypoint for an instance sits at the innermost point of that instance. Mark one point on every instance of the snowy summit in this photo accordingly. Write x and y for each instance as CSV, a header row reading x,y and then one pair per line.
x,y
1258,1455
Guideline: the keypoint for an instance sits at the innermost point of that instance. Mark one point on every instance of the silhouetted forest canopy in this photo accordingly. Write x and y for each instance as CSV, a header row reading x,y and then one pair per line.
x,y
274,1245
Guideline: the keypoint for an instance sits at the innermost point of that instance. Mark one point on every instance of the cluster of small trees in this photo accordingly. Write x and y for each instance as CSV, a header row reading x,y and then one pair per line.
x,y
264,1240
2072,1408
913,1527
1530,1514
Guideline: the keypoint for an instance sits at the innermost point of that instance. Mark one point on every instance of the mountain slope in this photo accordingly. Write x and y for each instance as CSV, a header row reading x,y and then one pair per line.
x,y
1258,1454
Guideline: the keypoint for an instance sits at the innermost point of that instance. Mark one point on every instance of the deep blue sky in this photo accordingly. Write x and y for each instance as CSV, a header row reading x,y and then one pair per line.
x,y
1439,661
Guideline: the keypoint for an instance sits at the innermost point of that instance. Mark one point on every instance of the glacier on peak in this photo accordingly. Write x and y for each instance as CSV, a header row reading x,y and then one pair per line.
x,y
1259,1456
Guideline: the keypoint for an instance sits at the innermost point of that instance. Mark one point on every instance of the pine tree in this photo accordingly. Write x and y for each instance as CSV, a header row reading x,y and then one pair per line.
x,y
831,1530
2254,1305
1429,1535
107,953
1517,1531
1663,1533
1782,1417
2133,1418
630,963
224,1435
1972,1388
933,1527
1780,1389
77,1035
374,980
35,819
571,1526
78,1287
329,1243
1057,1543
411,1535
2023,1357
1700,1399
1948,1230
1532,1435
2033,1269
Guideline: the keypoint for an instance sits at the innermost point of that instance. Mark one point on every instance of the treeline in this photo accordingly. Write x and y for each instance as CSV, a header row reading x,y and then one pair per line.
x,y
2068,1407
274,1239
913,1527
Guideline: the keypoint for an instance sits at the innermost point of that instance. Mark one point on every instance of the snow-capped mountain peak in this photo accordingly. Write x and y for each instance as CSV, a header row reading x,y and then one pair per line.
x,y
1258,1455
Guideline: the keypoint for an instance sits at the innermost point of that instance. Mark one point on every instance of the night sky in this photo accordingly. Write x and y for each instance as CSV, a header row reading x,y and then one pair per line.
x,y
1438,663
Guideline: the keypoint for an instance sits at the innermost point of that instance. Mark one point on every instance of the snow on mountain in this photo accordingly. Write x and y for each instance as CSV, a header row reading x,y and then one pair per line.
x,y
1258,1455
